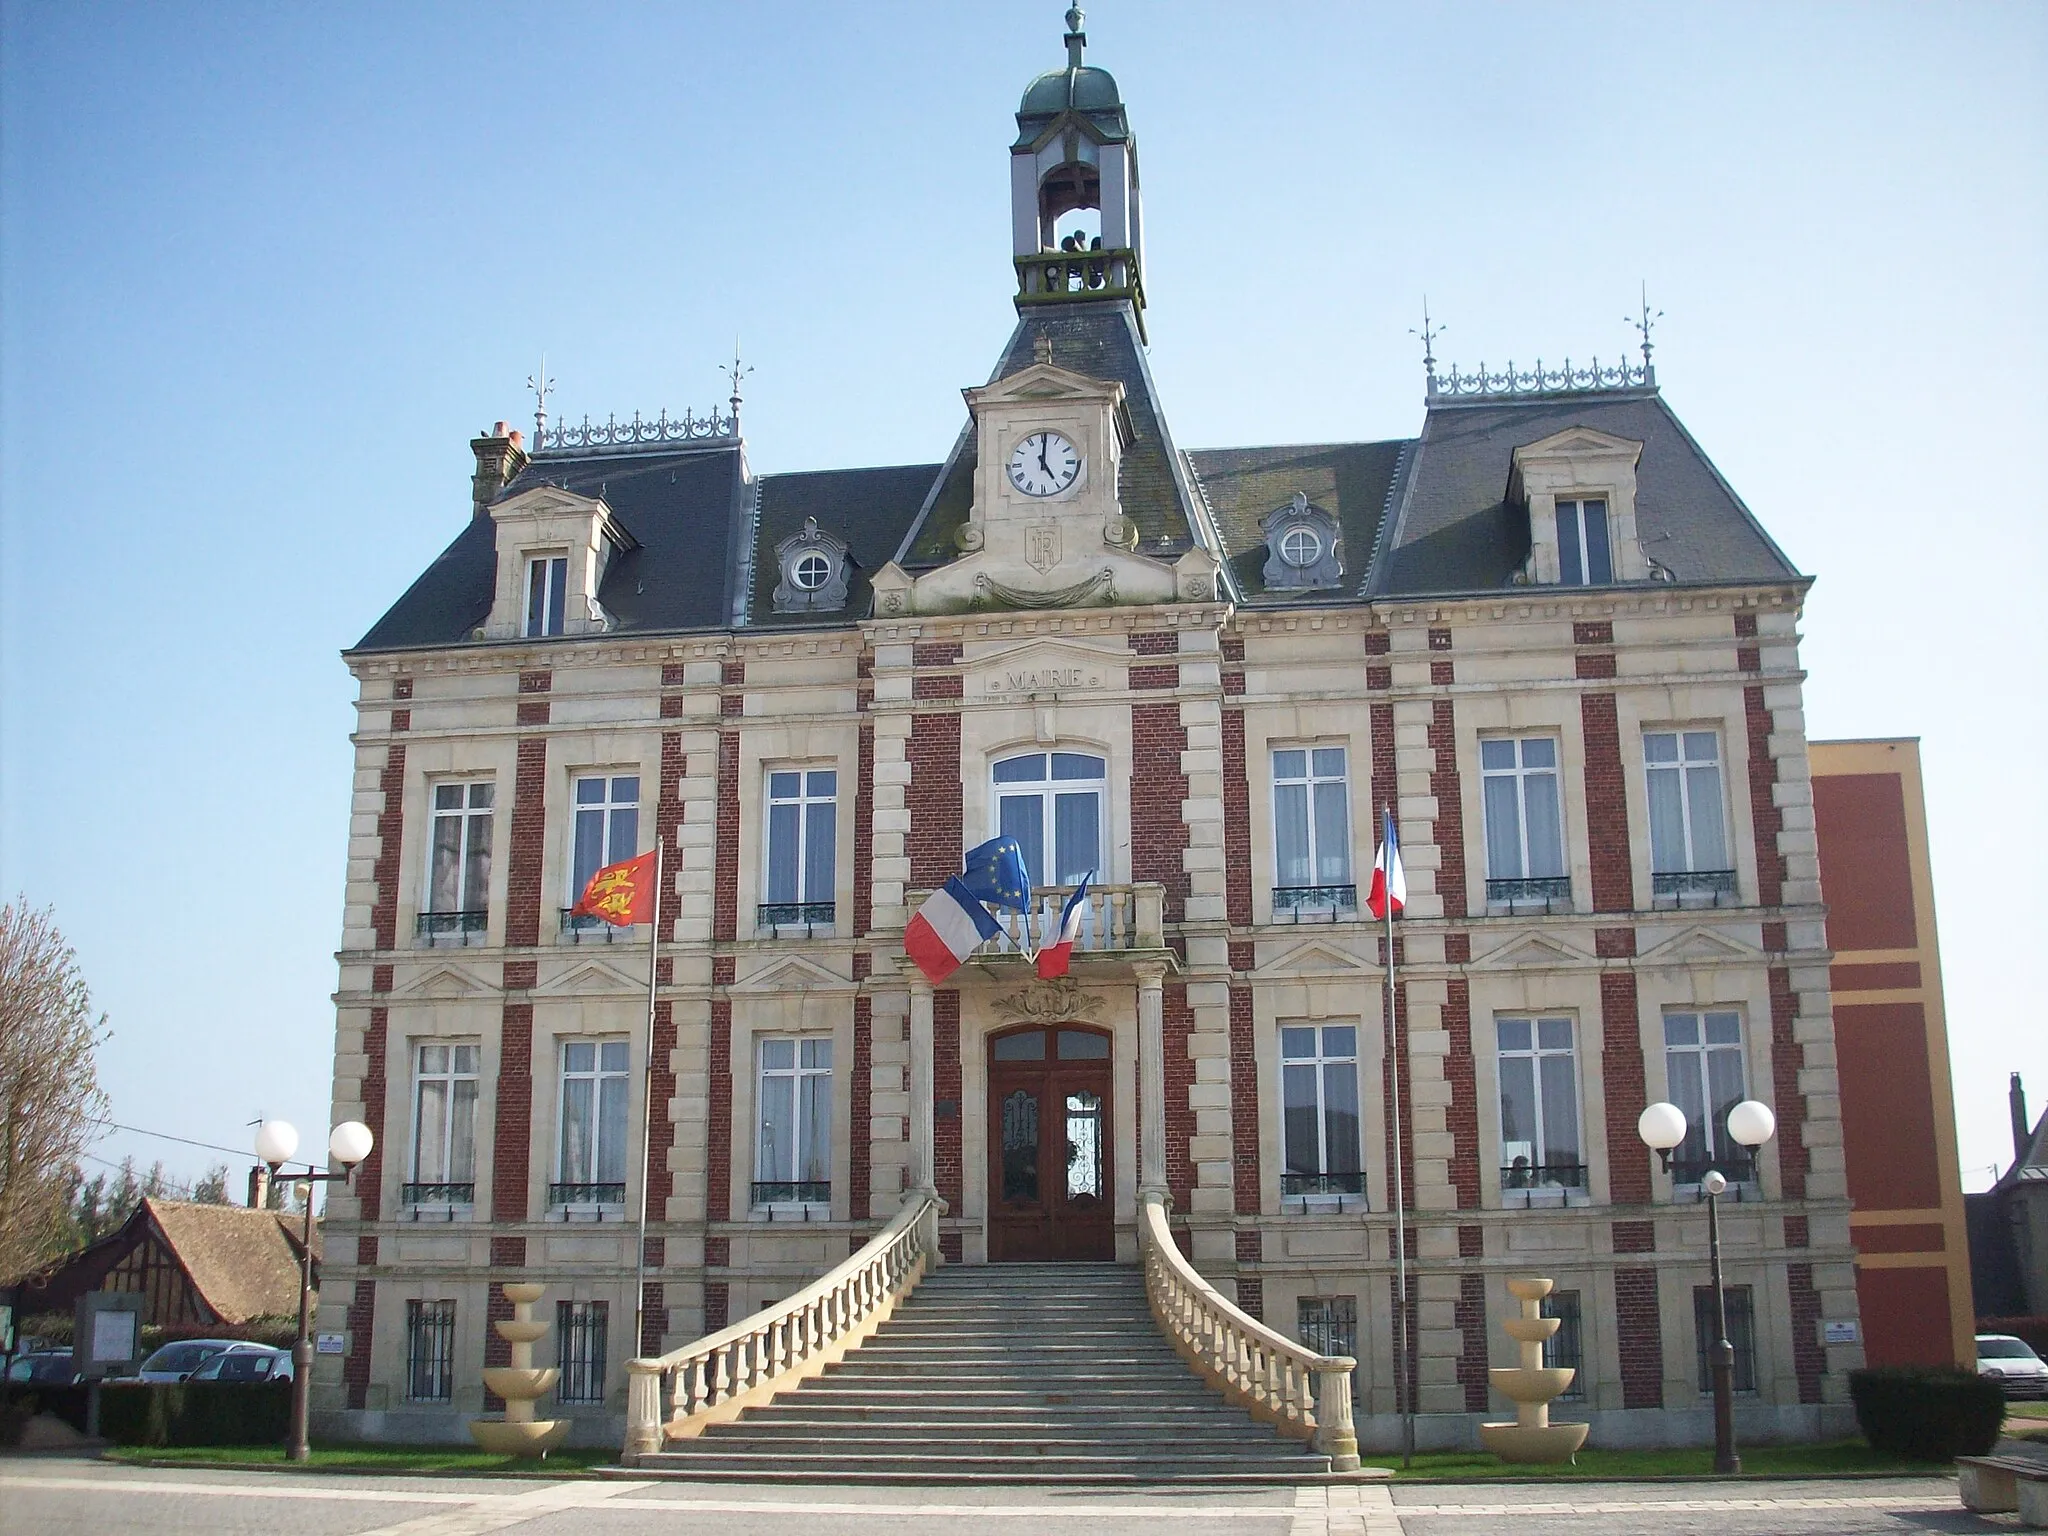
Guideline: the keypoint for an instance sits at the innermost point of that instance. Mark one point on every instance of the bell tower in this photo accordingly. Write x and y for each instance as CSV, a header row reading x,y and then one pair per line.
x,y
1075,155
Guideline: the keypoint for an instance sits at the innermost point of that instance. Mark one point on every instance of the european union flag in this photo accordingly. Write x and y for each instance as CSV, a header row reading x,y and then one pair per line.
x,y
995,874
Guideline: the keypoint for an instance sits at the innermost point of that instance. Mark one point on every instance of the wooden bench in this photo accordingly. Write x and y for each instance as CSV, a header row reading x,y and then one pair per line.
x,y
1992,1485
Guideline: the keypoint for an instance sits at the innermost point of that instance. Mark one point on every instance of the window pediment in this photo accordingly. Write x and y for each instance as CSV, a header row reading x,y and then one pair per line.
x,y
541,526
815,568
1302,546
1578,487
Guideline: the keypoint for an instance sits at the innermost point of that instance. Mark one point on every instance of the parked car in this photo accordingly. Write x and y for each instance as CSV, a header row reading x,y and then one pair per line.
x,y
2013,1364
247,1362
44,1368
180,1358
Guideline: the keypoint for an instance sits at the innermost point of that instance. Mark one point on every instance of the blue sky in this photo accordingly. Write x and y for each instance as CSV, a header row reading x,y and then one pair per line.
x,y
265,269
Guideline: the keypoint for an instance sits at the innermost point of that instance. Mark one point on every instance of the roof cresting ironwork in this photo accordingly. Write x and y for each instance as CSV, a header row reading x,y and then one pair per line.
x,y
1570,378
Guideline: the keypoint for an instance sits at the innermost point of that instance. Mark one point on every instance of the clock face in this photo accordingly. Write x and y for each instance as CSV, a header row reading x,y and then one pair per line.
x,y
1044,464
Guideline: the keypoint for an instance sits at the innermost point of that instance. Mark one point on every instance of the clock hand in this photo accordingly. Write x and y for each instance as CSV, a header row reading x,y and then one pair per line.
x,y
1043,445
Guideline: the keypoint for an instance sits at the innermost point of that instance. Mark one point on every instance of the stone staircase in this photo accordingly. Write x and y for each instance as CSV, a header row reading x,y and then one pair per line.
x,y
1011,1373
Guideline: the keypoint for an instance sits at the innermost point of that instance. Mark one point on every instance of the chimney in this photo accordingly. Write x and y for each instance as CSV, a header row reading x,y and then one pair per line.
x,y
500,455
259,1187
2022,1130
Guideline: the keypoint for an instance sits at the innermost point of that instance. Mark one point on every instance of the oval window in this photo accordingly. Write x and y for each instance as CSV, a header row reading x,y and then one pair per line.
x,y
1301,547
811,572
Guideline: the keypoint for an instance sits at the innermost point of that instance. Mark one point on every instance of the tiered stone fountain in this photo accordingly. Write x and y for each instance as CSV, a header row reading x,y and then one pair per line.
x,y
517,1432
1530,1386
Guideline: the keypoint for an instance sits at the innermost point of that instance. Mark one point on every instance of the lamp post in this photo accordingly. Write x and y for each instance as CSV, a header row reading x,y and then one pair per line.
x,y
1662,1127
348,1145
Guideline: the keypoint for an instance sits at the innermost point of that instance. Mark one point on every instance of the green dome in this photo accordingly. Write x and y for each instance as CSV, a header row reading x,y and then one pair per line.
x,y
1086,89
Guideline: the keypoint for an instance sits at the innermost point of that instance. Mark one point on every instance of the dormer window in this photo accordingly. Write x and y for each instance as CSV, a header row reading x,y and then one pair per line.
x,y
1301,546
1584,557
814,572
547,588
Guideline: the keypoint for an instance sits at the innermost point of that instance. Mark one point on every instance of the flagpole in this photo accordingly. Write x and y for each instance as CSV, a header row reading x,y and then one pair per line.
x,y
1402,1384
647,1110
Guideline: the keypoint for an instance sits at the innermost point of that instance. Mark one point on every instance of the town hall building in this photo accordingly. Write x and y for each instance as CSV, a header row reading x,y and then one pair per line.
x,y
1543,630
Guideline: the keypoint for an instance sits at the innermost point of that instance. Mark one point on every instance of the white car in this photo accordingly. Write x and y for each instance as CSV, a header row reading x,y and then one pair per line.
x,y
179,1359
2013,1364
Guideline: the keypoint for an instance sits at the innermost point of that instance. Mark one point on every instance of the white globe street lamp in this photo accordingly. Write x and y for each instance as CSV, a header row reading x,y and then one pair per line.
x,y
348,1144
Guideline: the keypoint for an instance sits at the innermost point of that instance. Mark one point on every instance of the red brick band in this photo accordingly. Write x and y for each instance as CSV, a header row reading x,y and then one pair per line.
x,y
934,799
1237,824
369,1179
1244,1110
859,1171
1621,1073
1809,1357
1461,1115
948,1170
1639,1331
511,1135
1606,805
718,1129
725,862
362,1321
1179,1020
1159,790
1448,833
1470,1320
529,844
390,847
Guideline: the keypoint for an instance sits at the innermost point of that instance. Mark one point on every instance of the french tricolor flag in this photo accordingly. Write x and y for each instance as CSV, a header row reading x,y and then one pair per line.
x,y
1389,882
1054,958
951,925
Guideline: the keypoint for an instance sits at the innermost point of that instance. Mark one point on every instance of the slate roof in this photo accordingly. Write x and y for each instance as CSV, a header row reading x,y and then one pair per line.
x,y
1454,532
1352,481
868,508
1102,342
686,509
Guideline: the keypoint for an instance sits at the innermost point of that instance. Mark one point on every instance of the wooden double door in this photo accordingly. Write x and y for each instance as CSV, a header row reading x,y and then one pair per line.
x,y
1050,1179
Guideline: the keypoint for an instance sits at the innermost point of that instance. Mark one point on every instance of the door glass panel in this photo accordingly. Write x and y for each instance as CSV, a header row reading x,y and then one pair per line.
x,y
1029,1046
1084,1145
1082,1045
1020,1146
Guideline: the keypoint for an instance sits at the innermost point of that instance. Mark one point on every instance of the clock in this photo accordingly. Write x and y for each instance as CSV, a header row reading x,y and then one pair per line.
x,y
1044,464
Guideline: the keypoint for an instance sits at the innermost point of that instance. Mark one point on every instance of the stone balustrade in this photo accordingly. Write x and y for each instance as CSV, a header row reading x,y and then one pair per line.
x,y
720,1376
1301,1393
1113,918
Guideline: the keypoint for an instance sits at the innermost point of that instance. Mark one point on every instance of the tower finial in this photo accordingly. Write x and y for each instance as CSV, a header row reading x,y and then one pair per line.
x,y
1429,334
542,386
735,373
1643,328
1077,40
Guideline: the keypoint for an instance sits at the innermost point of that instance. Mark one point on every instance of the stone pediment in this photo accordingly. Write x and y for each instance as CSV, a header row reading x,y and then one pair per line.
x,y
548,501
594,975
792,973
1532,948
1579,440
447,981
1320,957
1045,381
1698,945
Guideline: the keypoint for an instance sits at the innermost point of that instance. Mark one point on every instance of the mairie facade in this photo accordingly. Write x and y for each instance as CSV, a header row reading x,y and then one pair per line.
x,y
1543,630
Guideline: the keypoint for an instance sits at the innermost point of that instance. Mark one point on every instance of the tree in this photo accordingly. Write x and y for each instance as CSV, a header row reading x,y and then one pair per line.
x,y
50,1099
212,1188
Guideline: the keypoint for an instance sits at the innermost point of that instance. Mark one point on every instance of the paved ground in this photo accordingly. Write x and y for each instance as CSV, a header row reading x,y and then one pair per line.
x,y
43,1496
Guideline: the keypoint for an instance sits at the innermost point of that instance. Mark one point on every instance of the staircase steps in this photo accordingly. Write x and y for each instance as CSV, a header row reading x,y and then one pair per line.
x,y
1026,1373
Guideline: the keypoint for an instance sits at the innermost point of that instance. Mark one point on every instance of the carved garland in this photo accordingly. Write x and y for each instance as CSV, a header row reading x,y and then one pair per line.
x,y
1049,1002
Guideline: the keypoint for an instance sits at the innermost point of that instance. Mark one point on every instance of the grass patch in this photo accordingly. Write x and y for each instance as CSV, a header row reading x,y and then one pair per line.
x,y
2026,1410
1833,1459
377,1458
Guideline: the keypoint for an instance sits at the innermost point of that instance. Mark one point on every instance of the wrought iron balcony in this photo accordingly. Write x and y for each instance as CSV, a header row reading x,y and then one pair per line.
x,y
1738,1169
587,1194
788,1192
1693,888
1314,903
1113,918
1323,1183
1056,277
1543,893
438,1194
588,928
811,916
452,927
1526,1175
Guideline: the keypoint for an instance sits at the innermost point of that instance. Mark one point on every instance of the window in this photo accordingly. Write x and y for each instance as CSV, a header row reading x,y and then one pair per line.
x,y
1301,547
1705,1078
443,1125
1688,833
607,830
429,1351
794,1160
803,837
1524,833
1539,1105
1312,831
593,1141
811,572
459,874
579,1350
1583,559
1565,1348
1319,1085
547,584
1052,803
1741,1334
1329,1326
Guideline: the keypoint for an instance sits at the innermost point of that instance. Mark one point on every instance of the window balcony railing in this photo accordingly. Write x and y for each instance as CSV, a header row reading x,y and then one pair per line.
x,y
1543,893
1323,1183
1525,1175
1113,917
1693,888
1314,903
1739,1170
588,928
813,917
452,927
805,1192
438,1194
586,1194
